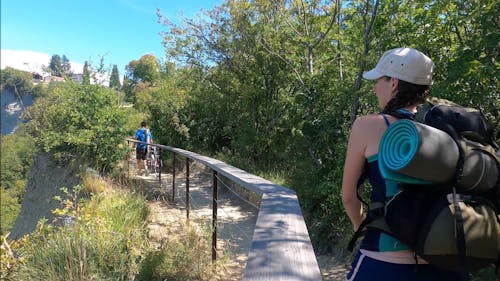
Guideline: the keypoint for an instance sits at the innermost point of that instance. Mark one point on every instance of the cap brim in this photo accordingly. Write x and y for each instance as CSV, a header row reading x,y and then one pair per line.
x,y
372,74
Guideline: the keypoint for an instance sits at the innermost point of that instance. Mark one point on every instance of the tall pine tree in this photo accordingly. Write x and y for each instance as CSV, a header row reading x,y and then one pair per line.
x,y
65,66
55,65
86,74
114,81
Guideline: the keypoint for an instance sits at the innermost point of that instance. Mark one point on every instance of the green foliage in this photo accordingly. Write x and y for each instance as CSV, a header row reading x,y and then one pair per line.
x,y
274,86
10,206
95,241
55,66
185,256
16,79
134,119
39,90
17,151
80,122
472,69
95,73
167,118
486,274
145,70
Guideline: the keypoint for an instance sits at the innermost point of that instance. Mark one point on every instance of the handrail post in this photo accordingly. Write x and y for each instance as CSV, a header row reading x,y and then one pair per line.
x,y
214,217
187,189
173,176
160,165
147,166
128,160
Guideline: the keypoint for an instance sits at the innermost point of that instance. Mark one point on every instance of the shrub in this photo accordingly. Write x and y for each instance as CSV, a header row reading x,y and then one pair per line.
x,y
184,256
80,122
17,151
92,240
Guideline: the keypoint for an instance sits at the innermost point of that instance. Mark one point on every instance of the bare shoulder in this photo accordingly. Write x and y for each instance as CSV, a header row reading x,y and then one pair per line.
x,y
368,131
368,123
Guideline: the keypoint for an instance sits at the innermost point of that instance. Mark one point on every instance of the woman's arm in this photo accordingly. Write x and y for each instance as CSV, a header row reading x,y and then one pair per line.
x,y
353,167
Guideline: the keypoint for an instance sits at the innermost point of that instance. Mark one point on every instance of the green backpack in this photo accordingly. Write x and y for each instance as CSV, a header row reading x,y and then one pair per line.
x,y
454,225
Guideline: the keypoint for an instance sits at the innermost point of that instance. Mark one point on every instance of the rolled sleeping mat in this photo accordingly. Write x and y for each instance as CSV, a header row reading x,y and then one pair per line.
x,y
412,152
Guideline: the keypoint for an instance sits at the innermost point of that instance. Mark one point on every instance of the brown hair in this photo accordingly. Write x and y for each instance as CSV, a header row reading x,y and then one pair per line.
x,y
408,94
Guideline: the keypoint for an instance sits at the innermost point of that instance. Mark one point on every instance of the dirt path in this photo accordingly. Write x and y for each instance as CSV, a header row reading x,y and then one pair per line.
x,y
331,268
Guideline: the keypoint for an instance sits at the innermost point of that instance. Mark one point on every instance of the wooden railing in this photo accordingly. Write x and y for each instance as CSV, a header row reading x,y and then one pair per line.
x,y
281,248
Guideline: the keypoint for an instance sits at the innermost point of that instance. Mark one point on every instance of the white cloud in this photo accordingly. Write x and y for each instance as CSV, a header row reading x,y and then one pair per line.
x,y
31,61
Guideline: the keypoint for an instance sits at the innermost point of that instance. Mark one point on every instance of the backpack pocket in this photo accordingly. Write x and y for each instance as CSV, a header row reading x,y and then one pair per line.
x,y
408,209
470,217
480,169
427,220
404,213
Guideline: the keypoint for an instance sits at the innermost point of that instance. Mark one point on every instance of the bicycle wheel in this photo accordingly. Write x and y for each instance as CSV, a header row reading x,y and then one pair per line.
x,y
152,166
158,165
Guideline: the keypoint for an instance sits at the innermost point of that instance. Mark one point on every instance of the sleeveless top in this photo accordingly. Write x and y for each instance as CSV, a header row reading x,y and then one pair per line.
x,y
382,191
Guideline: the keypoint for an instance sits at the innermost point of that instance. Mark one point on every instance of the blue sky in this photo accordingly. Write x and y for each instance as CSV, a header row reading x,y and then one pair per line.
x,y
119,30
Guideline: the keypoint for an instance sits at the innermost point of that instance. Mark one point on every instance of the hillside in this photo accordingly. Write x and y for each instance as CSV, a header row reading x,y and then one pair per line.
x,y
45,181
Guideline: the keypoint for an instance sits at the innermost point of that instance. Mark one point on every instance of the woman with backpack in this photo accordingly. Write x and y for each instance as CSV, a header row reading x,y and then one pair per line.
x,y
403,77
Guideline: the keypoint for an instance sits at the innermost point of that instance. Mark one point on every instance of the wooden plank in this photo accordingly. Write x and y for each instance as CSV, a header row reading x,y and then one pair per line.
x,y
281,249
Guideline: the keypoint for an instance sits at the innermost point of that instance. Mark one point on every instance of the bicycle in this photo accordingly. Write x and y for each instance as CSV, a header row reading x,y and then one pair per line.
x,y
154,161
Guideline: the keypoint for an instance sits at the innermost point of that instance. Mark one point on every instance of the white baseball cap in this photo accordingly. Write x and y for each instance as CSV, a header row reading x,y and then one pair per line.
x,y
406,64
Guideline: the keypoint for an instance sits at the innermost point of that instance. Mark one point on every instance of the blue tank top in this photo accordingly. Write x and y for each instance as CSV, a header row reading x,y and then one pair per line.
x,y
382,191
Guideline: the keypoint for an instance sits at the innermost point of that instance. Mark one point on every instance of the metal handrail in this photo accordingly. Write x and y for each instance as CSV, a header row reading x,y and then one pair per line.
x,y
281,248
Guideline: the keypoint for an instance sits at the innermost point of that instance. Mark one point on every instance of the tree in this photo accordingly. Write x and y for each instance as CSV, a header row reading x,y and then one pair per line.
x,y
59,66
271,65
470,74
145,70
65,65
81,123
99,74
128,88
16,80
86,73
369,14
55,66
114,81
96,75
